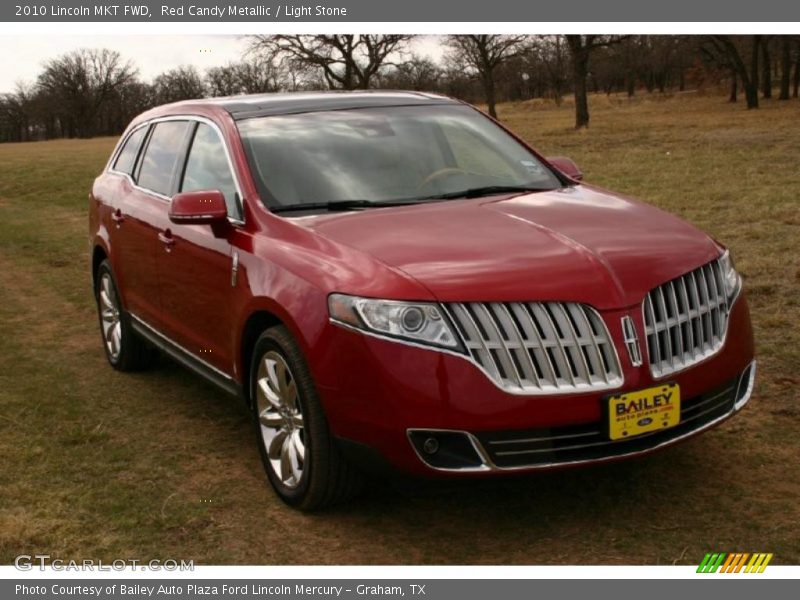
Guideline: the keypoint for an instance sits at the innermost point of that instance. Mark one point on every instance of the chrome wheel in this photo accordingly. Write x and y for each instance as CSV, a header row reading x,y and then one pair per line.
x,y
280,418
109,317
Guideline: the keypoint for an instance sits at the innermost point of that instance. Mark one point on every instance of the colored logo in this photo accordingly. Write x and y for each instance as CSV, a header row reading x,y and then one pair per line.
x,y
735,562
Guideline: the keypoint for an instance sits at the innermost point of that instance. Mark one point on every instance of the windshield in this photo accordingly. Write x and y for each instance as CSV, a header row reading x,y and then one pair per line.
x,y
386,155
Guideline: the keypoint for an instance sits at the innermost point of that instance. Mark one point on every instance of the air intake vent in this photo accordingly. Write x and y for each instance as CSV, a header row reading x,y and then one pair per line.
x,y
539,347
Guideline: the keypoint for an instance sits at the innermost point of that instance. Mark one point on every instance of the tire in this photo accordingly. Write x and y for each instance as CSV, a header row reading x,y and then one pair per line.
x,y
305,467
124,349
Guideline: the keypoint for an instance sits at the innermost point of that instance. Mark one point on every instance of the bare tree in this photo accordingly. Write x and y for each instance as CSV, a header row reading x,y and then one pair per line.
x,y
418,73
252,76
16,114
725,49
766,68
81,82
223,81
550,54
581,48
484,54
786,66
180,83
344,61
796,78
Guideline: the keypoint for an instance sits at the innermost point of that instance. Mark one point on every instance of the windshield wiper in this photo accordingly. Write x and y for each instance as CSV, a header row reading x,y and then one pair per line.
x,y
348,204
488,190
335,205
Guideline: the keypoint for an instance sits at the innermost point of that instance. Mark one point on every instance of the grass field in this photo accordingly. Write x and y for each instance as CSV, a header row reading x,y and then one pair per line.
x,y
97,464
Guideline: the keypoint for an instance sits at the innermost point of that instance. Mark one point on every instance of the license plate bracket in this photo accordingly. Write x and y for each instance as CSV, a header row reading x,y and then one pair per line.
x,y
643,411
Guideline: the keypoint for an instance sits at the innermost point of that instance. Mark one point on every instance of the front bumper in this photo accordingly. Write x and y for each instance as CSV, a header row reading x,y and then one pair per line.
x,y
379,393
579,444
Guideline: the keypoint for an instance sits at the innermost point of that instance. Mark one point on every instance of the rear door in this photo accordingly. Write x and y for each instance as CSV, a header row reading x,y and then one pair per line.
x,y
195,270
141,214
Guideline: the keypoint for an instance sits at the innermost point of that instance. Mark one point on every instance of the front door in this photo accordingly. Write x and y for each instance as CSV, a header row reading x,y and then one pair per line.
x,y
195,266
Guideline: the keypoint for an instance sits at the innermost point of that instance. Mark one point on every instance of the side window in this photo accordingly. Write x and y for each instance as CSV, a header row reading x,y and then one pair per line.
x,y
207,168
161,155
127,156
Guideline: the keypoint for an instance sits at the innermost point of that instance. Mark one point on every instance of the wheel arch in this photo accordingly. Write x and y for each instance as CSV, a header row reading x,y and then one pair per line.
x,y
99,254
259,319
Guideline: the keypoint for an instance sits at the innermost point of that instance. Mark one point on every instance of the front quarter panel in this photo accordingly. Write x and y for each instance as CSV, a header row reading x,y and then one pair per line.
x,y
289,272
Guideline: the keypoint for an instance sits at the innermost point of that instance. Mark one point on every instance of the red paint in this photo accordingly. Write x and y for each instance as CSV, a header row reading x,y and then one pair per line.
x,y
579,244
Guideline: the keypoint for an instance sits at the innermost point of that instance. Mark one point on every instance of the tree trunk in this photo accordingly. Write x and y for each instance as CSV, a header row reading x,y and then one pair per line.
x,y
766,70
579,73
796,82
734,87
786,68
751,82
579,51
491,98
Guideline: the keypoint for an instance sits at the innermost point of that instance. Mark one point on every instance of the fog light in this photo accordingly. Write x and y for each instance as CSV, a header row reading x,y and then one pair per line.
x,y
431,446
449,450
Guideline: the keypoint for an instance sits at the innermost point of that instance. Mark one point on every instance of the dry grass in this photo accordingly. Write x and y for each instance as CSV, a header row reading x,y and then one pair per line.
x,y
99,464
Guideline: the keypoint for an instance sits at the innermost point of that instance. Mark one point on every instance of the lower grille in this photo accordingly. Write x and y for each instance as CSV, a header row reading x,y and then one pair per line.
x,y
532,347
575,443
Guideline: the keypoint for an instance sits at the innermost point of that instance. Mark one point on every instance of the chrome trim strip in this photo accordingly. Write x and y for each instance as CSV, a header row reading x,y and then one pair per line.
x,y
490,466
195,118
169,340
631,341
544,439
738,405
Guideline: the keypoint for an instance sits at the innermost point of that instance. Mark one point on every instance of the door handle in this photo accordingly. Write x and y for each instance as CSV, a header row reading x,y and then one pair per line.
x,y
117,217
165,237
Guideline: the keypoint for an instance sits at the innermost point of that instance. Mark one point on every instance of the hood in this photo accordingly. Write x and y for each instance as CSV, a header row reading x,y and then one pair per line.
x,y
577,244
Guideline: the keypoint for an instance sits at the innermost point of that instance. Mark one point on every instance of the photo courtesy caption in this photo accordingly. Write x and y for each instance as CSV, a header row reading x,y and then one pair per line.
x,y
238,590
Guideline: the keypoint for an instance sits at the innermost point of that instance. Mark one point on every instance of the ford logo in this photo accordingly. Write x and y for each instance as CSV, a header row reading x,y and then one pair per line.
x,y
645,421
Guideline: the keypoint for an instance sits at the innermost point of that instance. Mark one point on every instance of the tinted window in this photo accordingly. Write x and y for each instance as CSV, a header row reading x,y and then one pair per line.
x,y
207,167
385,154
127,156
161,155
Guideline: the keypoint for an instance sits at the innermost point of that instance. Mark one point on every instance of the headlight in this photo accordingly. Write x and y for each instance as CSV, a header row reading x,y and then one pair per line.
x,y
730,278
421,322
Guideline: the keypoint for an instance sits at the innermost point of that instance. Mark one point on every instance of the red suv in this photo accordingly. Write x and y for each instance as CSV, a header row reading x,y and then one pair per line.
x,y
394,278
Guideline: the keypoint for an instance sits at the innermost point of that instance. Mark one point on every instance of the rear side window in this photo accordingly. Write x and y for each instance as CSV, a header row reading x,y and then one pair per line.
x,y
207,168
161,155
127,156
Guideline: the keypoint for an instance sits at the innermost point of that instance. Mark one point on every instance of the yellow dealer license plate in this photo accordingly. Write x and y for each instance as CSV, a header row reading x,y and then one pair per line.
x,y
643,411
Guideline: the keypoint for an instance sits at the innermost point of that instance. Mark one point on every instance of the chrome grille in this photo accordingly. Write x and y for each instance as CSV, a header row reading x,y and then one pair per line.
x,y
685,319
547,347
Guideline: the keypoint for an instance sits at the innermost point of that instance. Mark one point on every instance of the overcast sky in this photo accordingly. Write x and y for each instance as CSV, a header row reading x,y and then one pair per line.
x,y
152,54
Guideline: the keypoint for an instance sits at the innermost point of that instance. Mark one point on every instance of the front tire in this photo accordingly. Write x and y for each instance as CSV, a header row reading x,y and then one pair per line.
x,y
301,459
125,350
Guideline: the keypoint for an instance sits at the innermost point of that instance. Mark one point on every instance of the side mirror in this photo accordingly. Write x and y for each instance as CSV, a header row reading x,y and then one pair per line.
x,y
567,166
204,207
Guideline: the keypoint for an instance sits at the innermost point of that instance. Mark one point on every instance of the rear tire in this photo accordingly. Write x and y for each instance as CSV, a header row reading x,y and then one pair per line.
x,y
303,463
124,349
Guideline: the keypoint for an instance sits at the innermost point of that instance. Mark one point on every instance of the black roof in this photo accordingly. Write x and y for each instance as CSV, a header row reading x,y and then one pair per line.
x,y
262,105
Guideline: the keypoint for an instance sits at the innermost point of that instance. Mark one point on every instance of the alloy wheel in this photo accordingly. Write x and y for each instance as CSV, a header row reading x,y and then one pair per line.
x,y
281,419
110,317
